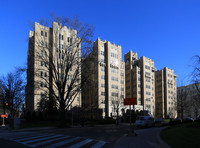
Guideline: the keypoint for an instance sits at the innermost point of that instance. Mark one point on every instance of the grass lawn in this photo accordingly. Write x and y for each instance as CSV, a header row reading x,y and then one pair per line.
x,y
182,136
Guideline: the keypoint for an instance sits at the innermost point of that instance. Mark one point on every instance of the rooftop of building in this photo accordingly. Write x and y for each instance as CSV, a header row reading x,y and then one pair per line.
x,y
104,41
45,27
189,85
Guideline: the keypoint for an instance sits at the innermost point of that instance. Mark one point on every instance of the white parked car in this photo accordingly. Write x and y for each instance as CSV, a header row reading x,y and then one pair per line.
x,y
147,121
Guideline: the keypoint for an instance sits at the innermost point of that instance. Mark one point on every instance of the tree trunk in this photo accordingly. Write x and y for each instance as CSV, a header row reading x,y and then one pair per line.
x,y
117,122
62,115
181,113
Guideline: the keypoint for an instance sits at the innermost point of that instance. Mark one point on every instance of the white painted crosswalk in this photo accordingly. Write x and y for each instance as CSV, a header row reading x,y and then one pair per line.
x,y
51,140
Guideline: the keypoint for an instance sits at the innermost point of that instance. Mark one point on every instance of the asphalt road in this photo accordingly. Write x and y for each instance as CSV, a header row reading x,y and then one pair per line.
x,y
114,136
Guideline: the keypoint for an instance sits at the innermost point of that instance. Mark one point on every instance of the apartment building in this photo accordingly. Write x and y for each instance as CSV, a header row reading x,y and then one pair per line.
x,y
105,88
188,101
166,93
140,81
50,46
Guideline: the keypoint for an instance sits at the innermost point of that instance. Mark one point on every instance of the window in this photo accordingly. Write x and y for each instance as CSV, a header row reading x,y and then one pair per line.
x,y
41,63
45,74
41,74
67,39
62,37
41,84
41,33
148,86
41,53
41,43
45,54
147,67
114,94
102,77
103,85
42,95
103,93
103,102
69,77
148,99
113,86
147,73
45,34
148,93
102,60
147,80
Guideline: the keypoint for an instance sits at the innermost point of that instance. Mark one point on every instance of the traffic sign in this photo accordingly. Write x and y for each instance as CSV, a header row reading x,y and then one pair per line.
x,y
130,101
3,116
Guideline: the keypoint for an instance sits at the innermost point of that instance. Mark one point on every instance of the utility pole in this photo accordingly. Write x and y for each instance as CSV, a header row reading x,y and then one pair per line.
x,y
130,116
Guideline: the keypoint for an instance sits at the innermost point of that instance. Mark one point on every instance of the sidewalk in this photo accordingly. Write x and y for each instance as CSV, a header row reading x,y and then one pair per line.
x,y
146,138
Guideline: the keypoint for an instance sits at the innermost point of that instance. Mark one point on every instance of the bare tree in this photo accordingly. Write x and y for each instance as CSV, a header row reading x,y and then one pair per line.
x,y
196,73
194,104
182,103
91,100
62,59
117,105
12,92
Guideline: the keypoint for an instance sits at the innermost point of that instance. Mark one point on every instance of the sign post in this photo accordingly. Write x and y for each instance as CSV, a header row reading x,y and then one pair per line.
x,y
3,116
130,101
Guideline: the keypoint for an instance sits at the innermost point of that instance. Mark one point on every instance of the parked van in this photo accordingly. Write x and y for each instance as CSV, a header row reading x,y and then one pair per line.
x,y
147,121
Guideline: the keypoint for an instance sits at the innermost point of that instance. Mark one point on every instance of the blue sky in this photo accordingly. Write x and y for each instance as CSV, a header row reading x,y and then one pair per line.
x,y
167,31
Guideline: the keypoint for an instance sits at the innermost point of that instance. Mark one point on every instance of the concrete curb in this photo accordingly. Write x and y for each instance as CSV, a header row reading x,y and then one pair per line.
x,y
160,141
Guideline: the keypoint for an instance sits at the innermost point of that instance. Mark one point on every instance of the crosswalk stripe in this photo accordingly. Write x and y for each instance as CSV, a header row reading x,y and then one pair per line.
x,y
98,144
52,140
21,136
40,139
8,135
64,142
80,143
45,142
28,138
